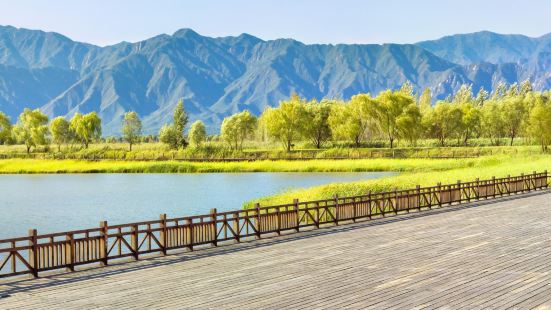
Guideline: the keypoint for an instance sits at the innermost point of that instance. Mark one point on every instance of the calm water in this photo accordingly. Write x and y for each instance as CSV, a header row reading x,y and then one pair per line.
x,y
52,203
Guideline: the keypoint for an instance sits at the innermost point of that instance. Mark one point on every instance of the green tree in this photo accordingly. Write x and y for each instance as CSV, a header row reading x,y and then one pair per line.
x,y
425,101
390,107
238,127
481,97
60,131
500,91
513,113
525,88
464,94
170,136
197,133
316,122
407,89
471,119
443,121
31,128
286,122
409,124
87,127
353,120
180,120
539,124
131,128
5,128
492,121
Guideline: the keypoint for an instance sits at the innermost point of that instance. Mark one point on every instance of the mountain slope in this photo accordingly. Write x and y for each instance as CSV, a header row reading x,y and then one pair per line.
x,y
220,76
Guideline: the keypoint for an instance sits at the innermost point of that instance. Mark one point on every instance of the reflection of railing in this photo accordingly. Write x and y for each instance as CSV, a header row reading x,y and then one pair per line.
x,y
37,253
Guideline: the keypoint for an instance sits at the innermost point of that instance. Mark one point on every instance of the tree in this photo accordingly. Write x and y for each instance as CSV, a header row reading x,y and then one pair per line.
x,y
444,121
60,131
500,91
390,107
492,121
238,127
317,125
197,133
5,128
539,124
170,136
525,88
425,101
180,120
481,97
409,124
514,112
470,121
464,94
407,89
286,122
131,128
31,128
87,128
353,120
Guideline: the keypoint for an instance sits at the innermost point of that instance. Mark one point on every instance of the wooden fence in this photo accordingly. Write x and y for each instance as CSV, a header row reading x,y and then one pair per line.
x,y
36,253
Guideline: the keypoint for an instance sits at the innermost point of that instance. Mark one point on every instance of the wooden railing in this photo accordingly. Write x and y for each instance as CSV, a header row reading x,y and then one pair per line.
x,y
36,253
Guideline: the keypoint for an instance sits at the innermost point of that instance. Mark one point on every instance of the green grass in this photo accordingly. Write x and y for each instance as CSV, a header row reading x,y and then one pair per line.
x,y
429,175
19,166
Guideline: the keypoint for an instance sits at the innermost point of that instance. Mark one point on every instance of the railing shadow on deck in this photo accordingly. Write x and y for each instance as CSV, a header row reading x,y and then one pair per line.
x,y
57,279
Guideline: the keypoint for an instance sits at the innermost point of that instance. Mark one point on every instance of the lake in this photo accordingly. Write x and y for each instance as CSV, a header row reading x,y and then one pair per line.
x,y
52,203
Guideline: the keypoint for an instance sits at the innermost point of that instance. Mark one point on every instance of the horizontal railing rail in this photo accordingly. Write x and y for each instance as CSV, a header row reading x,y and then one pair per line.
x,y
36,253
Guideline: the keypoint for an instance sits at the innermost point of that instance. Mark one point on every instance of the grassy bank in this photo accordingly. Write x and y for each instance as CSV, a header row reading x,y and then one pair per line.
x,y
483,168
24,166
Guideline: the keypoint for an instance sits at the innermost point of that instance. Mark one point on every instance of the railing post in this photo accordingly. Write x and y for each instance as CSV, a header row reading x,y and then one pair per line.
x,y
477,191
295,206
395,206
134,241
439,186
317,215
354,209
163,233
235,224
459,189
213,218
33,255
546,184
189,222
418,189
336,198
495,185
258,225
369,204
70,251
104,238
278,212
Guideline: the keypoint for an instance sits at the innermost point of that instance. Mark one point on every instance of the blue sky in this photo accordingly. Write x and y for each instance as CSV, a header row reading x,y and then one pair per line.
x,y
105,22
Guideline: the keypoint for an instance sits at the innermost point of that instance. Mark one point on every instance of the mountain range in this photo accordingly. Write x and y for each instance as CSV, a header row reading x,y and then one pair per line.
x,y
220,76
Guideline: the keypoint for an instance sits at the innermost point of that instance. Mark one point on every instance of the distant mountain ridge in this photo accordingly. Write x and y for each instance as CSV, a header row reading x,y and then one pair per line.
x,y
220,76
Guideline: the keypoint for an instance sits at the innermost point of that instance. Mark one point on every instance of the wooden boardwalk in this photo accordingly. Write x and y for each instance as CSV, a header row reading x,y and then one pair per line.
x,y
489,254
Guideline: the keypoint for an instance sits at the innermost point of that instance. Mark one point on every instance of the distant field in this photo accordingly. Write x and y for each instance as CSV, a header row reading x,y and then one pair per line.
x,y
318,165
258,151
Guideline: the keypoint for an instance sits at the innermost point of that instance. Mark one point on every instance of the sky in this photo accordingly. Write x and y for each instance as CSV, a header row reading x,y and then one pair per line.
x,y
104,22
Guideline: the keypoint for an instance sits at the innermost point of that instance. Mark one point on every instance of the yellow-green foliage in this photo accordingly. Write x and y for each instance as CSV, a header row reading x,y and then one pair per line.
x,y
107,166
499,166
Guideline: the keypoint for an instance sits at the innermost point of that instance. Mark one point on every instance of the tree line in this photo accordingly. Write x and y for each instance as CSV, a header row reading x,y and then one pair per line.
x,y
510,111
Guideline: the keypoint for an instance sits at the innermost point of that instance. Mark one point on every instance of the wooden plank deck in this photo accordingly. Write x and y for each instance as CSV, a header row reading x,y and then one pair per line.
x,y
490,254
